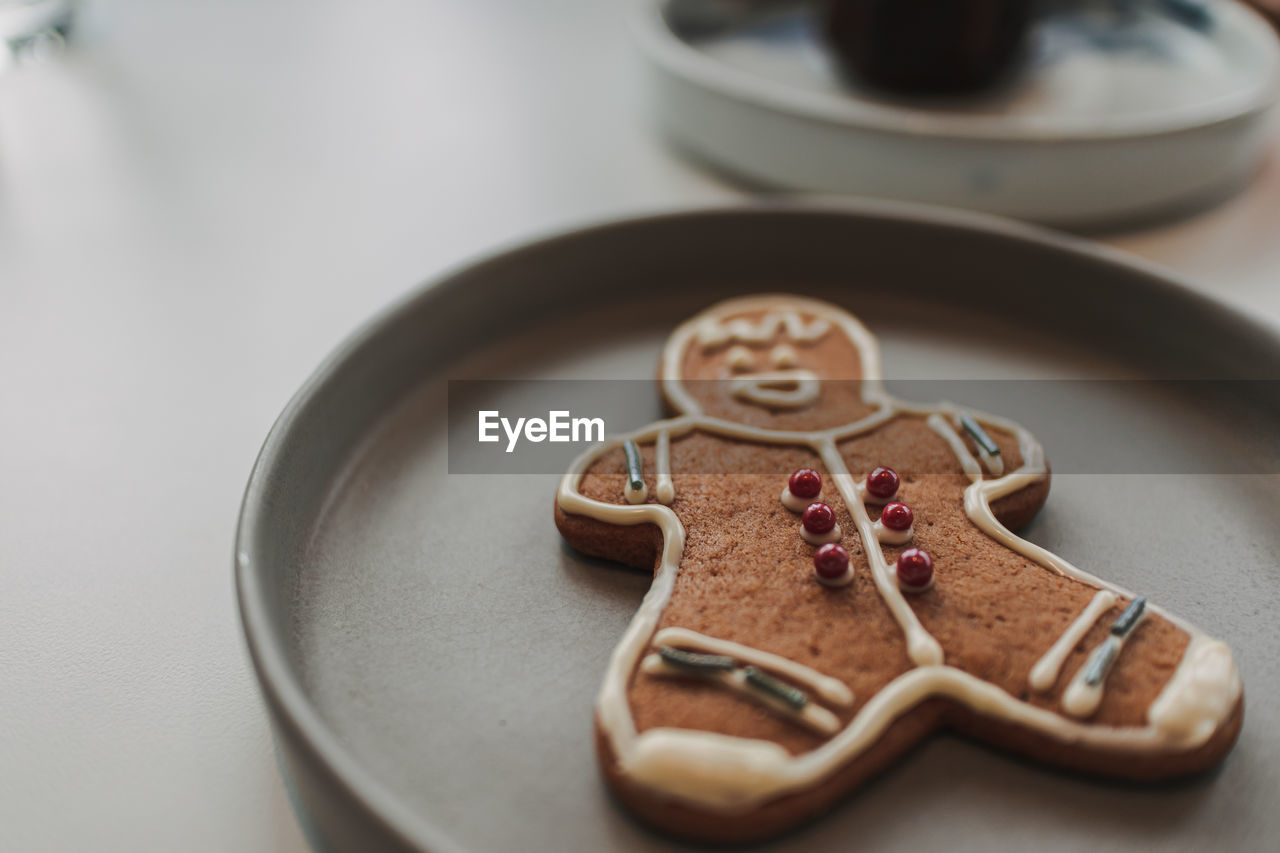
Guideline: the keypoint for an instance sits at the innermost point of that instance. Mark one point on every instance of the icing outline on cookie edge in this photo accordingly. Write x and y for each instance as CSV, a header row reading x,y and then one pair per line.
x,y
734,774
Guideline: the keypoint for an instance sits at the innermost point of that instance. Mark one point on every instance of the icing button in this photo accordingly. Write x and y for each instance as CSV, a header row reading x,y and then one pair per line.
x,y
805,483
882,483
818,518
818,524
915,570
831,563
897,516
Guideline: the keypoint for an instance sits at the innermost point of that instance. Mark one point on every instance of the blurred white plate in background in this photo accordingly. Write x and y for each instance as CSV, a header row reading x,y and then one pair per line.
x,y
1107,123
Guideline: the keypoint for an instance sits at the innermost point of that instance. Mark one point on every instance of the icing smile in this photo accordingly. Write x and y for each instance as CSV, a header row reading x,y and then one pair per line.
x,y
779,389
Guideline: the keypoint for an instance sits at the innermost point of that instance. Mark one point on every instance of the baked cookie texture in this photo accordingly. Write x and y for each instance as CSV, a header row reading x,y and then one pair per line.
x,y
746,696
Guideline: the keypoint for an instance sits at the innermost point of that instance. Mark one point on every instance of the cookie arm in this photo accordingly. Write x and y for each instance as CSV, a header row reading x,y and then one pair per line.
x,y
1201,700
631,471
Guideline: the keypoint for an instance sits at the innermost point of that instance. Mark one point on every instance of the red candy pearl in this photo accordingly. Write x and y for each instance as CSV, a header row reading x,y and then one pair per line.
x,y
818,518
883,482
805,483
831,561
915,568
897,516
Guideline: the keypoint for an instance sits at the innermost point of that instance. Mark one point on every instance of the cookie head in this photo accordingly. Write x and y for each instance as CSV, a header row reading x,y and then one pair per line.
x,y
771,362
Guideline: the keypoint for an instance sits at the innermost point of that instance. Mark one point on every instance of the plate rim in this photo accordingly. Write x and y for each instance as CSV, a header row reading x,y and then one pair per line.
x,y
295,720
672,54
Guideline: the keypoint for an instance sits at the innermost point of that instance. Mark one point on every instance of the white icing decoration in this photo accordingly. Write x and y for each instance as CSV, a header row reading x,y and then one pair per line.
x,y
830,689
665,489
783,389
1044,674
731,774
713,331
784,356
811,716
889,536
971,469
715,770
797,504
832,535
640,494
1081,698
992,462
714,328
740,359
922,648
1200,695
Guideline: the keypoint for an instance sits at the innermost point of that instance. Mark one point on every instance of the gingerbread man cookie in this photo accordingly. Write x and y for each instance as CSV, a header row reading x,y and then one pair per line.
x,y
835,579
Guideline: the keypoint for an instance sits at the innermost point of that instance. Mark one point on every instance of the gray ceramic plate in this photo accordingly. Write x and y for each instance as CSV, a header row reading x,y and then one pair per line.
x,y
429,650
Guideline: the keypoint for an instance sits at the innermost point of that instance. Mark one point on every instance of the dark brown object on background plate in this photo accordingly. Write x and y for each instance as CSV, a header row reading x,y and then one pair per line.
x,y
1269,8
749,694
926,46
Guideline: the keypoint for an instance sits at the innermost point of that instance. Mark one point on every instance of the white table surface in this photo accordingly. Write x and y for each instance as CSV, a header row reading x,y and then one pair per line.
x,y
196,204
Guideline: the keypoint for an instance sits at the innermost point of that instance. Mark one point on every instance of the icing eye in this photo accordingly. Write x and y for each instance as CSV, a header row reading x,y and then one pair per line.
x,y
784,355
740,359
